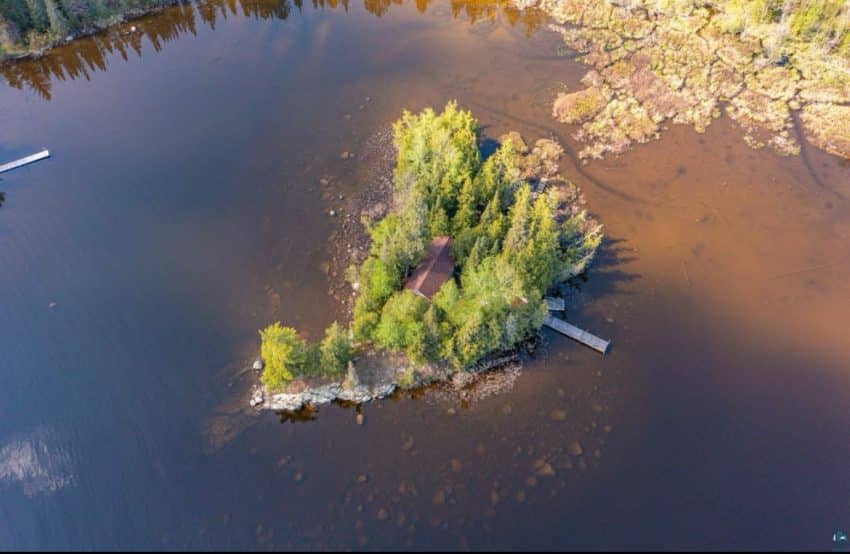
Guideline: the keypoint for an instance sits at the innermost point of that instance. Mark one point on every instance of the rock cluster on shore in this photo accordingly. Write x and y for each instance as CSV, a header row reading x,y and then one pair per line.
x,y
319,395
382,376
653,65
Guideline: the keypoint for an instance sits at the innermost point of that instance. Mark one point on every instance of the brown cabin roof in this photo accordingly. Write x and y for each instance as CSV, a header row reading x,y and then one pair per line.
x,y
435,268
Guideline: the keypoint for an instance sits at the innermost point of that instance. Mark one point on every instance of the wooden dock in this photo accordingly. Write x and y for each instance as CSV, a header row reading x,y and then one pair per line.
x,y
24,161
577,334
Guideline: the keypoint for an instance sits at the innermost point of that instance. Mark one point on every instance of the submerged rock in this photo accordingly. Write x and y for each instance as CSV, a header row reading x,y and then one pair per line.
x,y
257,397
544,469
558,415
575,449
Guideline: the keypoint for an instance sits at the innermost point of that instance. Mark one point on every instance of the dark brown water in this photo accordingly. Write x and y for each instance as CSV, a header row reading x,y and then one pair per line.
x,y
182,210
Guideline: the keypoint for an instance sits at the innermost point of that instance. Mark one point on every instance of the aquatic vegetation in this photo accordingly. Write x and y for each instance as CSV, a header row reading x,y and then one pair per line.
x,y
682,60
828,126
580,106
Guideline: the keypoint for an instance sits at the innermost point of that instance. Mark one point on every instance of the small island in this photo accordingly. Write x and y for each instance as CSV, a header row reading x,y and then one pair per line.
x,y
457,272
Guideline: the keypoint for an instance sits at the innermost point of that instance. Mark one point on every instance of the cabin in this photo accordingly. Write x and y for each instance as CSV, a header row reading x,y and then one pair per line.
x,y
435,269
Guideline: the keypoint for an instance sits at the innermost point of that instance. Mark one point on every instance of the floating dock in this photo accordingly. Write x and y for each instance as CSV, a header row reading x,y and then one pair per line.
x,y
577,334
25,161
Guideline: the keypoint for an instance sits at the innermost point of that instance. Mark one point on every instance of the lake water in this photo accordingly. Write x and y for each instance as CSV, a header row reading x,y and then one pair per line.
x,y
183,210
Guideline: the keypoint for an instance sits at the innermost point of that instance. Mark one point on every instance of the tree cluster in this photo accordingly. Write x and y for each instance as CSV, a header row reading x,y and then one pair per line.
x,y
287,356
508,243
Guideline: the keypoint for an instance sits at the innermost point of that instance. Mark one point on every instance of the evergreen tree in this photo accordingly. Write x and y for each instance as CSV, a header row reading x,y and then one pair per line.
x,y
284,353
401,326
335,350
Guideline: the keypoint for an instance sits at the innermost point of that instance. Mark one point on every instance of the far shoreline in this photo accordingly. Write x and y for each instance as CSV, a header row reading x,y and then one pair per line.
x,y
44,44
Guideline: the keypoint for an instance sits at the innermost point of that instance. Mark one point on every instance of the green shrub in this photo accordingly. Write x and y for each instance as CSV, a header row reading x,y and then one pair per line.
x,y
402,327
335,350
285,355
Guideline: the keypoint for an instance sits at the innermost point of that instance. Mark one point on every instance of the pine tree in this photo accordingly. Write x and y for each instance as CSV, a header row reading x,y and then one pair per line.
x,y
336,351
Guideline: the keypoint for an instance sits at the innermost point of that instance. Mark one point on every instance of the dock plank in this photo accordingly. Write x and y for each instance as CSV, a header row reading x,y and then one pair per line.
x,y
38,156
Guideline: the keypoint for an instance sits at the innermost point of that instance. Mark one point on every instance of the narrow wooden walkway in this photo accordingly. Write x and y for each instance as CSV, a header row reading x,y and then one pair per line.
x,y
24,161
576,334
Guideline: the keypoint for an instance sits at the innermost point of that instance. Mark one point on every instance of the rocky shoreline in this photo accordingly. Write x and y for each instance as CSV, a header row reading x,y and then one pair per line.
x,y
394,377
652,66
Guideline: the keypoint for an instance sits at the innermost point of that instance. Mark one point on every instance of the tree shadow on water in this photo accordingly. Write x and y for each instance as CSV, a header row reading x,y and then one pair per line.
x,y
604,276
303,415
487,145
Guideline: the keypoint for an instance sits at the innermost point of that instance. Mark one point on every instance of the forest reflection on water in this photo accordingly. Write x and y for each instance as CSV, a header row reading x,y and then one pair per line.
x,y
80,58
